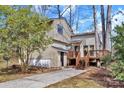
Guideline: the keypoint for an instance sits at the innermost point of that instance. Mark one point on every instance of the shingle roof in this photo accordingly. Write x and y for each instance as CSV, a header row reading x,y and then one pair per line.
x,y
85,33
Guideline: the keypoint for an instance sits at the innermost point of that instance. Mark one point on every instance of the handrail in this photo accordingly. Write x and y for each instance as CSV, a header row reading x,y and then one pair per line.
x,y
78,58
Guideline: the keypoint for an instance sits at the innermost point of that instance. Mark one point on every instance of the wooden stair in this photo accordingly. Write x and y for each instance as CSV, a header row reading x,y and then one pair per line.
x,y
78,58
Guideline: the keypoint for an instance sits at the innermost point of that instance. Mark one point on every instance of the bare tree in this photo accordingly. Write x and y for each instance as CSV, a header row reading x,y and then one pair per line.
x,y
42,9
103,27
58,11
70,16
95,25
108,28
77,21
67,7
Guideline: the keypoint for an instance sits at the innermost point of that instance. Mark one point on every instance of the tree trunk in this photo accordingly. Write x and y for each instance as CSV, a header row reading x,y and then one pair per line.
x,y
95,26
23,57
103,27
77,21
58,9
70,17
108,28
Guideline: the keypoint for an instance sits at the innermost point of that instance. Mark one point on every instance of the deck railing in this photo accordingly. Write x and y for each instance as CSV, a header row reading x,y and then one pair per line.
x,y
93,53
72,54
100,53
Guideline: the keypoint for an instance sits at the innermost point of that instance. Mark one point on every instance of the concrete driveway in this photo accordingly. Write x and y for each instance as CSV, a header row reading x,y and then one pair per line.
x,y
41,80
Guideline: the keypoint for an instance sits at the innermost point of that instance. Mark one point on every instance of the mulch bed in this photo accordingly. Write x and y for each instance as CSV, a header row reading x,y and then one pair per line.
x,y
103,77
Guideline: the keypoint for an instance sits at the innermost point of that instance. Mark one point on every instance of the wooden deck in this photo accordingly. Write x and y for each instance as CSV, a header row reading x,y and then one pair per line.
x,y
97,54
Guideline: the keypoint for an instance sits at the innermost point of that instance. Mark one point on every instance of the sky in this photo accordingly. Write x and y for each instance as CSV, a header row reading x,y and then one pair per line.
x,y
85,15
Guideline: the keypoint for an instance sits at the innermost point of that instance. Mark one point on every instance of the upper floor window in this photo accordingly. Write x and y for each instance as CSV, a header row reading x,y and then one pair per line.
x,y
60,28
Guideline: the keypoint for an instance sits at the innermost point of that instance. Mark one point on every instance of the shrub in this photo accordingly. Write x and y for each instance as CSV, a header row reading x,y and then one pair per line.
x,y
106,59
118,70
118,41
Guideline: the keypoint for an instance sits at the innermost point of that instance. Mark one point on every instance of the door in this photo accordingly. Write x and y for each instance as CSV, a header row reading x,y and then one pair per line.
x,y
62,58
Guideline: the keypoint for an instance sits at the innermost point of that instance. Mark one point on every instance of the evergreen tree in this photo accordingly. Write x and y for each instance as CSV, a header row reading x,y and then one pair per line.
x,y
23,33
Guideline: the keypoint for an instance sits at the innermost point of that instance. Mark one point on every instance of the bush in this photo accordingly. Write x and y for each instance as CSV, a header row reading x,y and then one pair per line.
x,y
118,41
118,70
106,59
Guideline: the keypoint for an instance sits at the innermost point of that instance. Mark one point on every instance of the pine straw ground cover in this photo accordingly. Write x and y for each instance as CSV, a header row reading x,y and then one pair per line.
x,y
93,78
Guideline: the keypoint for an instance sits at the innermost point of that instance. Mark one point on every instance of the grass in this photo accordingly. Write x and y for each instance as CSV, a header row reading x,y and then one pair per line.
x,y
76,83
83,80
3,63
4,76
7,77
92,78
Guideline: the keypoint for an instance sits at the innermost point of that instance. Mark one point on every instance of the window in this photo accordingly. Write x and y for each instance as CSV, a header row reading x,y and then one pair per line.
x,y
60,29
77,48
85,50
91,50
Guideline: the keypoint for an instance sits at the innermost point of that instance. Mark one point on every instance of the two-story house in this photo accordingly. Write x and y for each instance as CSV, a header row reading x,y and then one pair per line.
x,y
69,48
57,52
